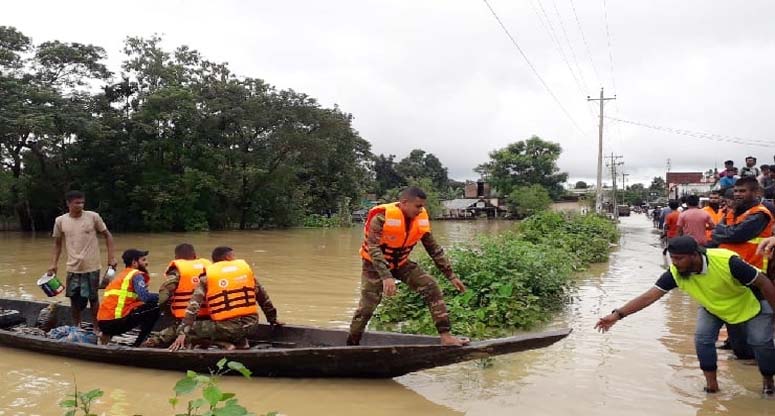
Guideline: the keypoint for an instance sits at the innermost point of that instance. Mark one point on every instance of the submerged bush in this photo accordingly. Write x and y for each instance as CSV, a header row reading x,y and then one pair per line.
x,y
515,280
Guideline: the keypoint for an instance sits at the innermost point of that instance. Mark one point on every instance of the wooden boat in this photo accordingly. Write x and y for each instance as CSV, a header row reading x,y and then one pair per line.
x,y
288,351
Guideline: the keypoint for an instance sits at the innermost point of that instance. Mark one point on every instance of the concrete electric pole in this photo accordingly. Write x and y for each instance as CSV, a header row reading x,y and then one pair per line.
x,y
599,186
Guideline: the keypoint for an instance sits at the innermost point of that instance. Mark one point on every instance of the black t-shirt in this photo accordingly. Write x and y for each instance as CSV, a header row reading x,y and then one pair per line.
x,y
742,271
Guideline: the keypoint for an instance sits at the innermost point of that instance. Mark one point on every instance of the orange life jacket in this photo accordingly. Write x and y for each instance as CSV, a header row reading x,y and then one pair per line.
x,y
231,290
120,296
716,216
396,243
747,249
189,271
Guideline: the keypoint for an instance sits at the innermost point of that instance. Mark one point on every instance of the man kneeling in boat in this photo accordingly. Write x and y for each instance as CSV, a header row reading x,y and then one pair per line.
x,y
729,290
127,303
229,291
391,232
182,278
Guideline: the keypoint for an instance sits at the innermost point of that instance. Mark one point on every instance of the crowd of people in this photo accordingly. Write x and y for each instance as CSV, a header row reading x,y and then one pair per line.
x,y
719,255
215,302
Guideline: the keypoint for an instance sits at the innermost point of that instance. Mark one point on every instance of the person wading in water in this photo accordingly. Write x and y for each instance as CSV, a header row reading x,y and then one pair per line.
x,y
728,289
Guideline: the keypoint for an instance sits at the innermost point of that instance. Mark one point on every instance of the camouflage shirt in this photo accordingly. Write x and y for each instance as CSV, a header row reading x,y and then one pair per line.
x,y
171,283
379,263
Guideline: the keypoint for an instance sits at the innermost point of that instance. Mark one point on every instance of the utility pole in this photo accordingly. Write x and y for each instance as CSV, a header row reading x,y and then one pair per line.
x,y
613,164
599,186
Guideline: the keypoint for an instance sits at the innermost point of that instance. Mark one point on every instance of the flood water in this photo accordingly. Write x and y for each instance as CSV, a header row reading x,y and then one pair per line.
x,y
645,365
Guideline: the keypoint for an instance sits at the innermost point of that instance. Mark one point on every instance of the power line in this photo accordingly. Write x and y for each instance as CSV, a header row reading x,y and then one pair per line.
x,y
610,53
699,134
570,46
586,44
530,64
556,40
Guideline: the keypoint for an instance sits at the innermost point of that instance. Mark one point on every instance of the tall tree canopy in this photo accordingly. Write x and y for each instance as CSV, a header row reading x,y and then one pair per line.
x,y
172,142
525,163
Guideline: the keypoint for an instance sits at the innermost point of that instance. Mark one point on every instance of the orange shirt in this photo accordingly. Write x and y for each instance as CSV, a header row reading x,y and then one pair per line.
x,y
671,224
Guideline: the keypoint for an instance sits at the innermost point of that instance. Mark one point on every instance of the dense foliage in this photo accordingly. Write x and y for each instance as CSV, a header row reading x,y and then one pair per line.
x,y
172,142
528,200
515,280
525,163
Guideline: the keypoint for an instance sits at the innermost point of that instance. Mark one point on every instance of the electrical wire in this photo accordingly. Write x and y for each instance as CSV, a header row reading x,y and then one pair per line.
x,y
532,67
610,53
698,134
586,44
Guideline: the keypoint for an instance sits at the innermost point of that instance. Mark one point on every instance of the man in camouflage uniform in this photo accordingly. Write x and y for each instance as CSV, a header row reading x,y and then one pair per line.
x,y
379,274
226,333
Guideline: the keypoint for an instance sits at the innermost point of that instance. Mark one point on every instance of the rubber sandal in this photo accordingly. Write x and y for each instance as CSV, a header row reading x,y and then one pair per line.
x,y
706,389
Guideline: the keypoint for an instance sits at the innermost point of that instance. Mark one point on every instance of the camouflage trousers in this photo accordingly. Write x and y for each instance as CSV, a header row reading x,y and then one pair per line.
x,y
231,330
417,280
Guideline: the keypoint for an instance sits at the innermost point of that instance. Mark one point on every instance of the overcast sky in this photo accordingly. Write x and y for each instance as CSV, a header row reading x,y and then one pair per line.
x,y
444,77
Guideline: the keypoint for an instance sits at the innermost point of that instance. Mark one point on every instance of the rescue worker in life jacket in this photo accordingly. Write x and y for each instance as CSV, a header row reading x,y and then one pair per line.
x,y
127,303
182,277
729,291
391,231
229,291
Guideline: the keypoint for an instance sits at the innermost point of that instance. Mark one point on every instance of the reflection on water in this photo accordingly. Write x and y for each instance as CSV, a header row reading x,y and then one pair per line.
x,y
645,365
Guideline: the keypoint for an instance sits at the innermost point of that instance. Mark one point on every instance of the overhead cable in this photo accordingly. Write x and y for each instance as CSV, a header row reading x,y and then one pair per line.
x,y
532,67
698,134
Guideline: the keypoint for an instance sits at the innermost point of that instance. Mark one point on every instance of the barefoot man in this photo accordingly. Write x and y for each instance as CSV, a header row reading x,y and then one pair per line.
x,y
729,291
391,231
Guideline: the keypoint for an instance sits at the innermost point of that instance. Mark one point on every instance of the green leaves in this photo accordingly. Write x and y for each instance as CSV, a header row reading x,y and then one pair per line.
x,y
239,368
213,399
515,280
185,385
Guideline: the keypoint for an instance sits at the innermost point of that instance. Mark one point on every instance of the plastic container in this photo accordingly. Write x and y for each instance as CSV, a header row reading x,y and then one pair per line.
x,y
51,285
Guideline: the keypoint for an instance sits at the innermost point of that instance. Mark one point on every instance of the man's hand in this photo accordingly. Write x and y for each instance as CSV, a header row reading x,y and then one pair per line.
x,y
180,343
766,246
605,323
458,284
388,287
52,270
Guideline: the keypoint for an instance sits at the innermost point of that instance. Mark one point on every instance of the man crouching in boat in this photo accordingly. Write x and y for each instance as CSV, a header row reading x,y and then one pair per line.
x,y
127,303
182,278
729,290
391,232
229,290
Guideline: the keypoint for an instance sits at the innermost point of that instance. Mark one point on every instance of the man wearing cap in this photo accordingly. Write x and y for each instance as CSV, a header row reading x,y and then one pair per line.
x,y
728,290
127,303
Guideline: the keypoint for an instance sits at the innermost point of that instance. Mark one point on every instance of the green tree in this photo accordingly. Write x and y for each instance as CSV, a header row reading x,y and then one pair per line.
x,y
525,163
174,142
386,177
636,194
419,164
528,200
658,186
581,185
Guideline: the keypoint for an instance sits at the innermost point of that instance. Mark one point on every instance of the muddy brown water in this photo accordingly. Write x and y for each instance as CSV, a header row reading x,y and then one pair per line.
x,y
645,365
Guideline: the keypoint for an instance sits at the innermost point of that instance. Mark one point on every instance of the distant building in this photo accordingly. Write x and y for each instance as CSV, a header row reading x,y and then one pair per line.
x,y
687,183
470,208
478,189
